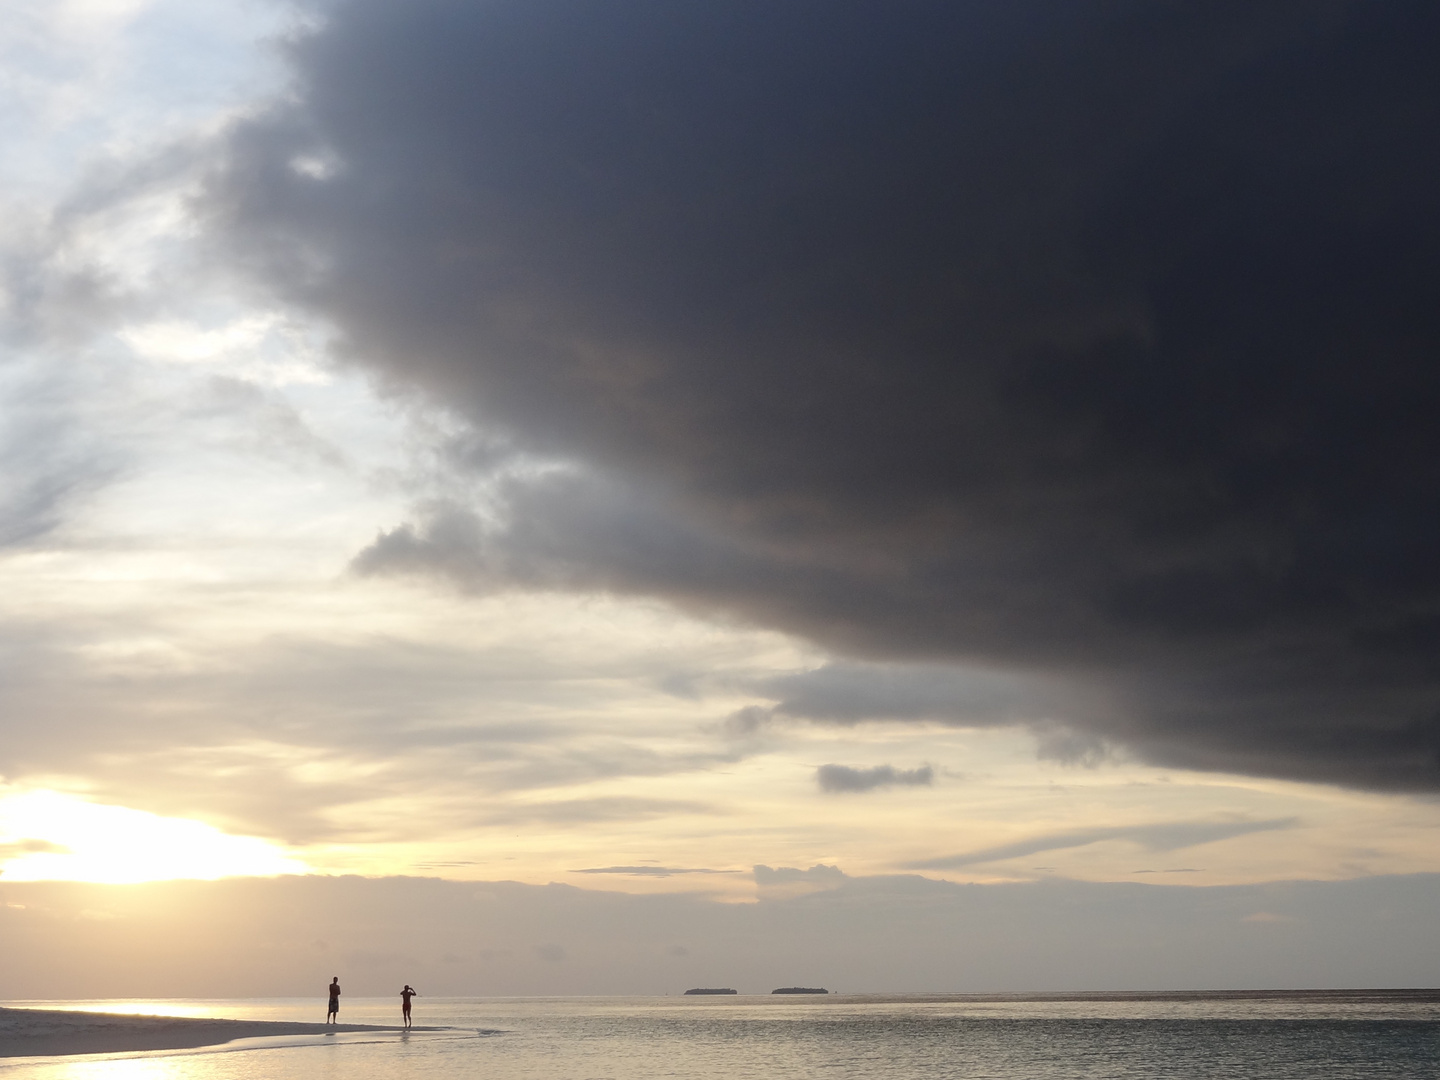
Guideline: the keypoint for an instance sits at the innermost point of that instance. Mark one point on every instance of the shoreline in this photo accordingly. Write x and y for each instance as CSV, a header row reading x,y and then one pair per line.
x,y
58,1033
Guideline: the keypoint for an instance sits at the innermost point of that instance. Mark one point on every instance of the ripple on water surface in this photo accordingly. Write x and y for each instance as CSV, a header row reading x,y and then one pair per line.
x,y
1339,1036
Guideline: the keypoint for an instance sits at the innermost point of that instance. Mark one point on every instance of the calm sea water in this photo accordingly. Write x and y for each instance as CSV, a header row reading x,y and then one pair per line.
x,y
1335,1036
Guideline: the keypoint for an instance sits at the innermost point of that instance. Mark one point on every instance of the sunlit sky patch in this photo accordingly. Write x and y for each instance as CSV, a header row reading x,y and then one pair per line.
x,y
48,836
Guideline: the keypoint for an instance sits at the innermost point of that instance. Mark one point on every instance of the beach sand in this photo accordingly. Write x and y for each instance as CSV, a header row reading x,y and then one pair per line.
x,y
46,1032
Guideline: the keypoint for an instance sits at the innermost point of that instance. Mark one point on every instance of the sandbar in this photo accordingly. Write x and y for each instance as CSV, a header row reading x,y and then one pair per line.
x,y
52,1032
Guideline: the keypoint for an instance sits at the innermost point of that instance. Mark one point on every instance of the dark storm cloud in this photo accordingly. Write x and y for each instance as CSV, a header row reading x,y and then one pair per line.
x,y
1170,836
848,693
1091,340
844,778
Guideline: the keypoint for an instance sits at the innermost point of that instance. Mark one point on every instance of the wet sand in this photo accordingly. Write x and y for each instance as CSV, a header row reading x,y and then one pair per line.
x,y
46,1032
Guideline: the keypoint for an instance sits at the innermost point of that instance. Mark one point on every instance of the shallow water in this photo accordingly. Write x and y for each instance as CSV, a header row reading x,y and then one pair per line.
x,y
1337,1036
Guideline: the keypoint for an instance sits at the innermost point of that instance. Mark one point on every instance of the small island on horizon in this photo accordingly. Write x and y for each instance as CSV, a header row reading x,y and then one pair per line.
x,y
800,990
712,990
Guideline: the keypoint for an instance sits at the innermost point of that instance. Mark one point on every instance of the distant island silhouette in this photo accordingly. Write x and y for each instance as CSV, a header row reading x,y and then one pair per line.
x,y
711,990
801,990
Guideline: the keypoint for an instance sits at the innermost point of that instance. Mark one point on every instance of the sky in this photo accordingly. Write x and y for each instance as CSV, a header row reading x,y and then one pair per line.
x,y
717,461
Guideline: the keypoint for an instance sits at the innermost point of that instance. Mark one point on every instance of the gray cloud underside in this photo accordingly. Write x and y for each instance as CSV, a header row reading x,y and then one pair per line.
x,y
819,874
1095,341
651,871
615,808
882,934
53,456
835,778
1162,837
851,692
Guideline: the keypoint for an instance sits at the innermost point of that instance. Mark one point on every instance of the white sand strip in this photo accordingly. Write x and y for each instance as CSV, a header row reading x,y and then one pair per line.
x,y
46,1032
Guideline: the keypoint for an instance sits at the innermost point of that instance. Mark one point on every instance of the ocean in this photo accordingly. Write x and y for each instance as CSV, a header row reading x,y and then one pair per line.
x,y
1334,1035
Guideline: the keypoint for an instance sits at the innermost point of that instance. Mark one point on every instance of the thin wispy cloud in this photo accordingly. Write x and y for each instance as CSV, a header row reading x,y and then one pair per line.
x,y
652,871
1164,837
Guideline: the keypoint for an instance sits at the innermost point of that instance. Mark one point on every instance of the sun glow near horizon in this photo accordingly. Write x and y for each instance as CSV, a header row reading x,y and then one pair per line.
x,y
51,836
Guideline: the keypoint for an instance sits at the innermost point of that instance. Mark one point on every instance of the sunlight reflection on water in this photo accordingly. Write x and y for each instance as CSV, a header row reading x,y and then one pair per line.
x,y
1342,1037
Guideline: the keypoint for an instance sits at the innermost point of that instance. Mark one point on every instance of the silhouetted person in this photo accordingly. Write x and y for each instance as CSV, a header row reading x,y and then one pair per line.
x,y
334,1012
405,996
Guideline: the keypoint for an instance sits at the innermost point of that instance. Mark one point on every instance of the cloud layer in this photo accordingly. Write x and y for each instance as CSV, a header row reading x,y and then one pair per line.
x,y
1170,836
1091,341
287,936
844,778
